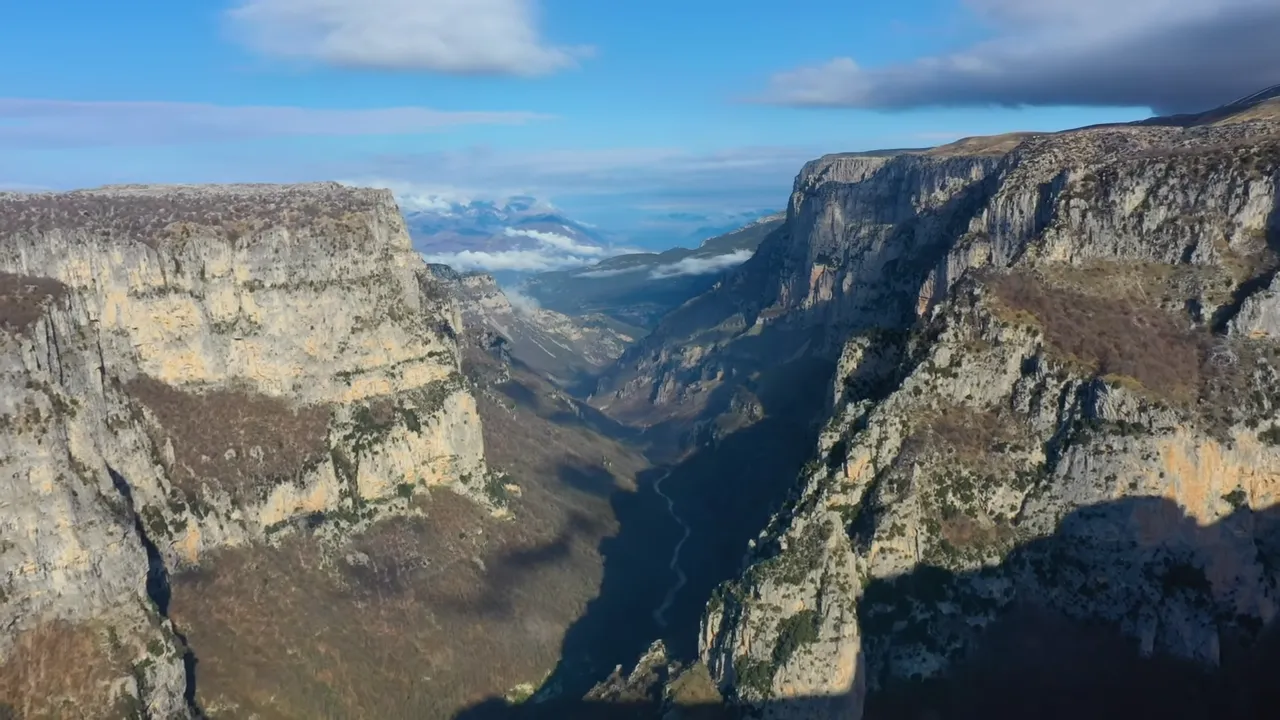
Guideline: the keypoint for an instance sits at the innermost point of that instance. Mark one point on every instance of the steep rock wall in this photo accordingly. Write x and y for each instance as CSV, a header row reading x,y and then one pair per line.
x,y
1081,420
186,368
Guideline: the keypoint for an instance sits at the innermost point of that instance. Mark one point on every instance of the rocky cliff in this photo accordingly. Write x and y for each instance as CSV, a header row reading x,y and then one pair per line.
x,y
862,231
1054,388
559,346
186,369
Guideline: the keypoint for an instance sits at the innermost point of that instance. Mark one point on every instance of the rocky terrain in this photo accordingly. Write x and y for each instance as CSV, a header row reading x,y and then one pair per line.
x,y
268,463
245,459
1049,436
1064,402
561,347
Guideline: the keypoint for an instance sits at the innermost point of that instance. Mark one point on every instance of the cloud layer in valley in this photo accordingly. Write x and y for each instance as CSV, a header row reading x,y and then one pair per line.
x,y
28,123
702,265
449,36
1168,55
551,251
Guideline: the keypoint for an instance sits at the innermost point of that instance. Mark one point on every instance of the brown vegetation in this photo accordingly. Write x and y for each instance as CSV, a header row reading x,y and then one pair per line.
x,y
23,299
977,440
417,617
64,671
1120,335
236,440
993,145
152,214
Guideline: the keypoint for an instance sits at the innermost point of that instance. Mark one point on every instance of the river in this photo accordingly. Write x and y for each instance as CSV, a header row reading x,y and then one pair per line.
x,y
660,615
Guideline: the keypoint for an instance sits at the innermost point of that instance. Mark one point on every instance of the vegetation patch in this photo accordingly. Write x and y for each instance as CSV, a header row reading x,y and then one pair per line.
x,y
23,299
1119,336
1119,322
64,670
755,675
794,632
236,440
974,439
415,617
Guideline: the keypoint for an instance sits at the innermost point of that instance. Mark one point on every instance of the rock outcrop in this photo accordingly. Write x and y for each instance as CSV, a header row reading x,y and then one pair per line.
x,y
562,347
1055,388
191,368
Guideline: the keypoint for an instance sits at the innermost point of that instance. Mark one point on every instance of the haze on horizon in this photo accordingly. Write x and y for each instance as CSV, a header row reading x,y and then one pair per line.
x,y
645,119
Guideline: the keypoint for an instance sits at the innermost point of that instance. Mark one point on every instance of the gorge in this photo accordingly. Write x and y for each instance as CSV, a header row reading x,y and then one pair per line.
x,y
984,430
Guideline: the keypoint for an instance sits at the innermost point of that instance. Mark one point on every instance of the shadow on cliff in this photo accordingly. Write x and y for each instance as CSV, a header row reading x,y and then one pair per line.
x,y
725,490
1042,657
1038,659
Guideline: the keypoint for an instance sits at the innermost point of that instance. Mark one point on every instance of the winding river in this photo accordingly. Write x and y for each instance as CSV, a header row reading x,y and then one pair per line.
x,y
660,615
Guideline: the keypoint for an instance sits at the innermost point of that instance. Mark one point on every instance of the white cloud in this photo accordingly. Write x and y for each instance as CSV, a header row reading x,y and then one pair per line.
x,y
536,260
614,272
552,252
702,265
30,123
448,36
1170,55
559,242
520,302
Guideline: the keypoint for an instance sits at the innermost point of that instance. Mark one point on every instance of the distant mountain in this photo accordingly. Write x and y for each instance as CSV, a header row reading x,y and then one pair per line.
x,y
514,236
638,288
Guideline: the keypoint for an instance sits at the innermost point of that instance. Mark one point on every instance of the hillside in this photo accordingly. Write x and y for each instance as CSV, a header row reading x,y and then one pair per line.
x,y
562,348
639,288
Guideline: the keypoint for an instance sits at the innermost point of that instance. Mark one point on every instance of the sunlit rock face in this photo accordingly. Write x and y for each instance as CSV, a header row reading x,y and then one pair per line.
x,y
1056,387
188,368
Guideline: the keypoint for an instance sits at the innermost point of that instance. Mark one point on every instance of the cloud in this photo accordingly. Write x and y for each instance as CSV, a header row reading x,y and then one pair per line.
x,y
496,37
614,272
533,260
1168,55
702,265
551,252
28,123
520,302
557,241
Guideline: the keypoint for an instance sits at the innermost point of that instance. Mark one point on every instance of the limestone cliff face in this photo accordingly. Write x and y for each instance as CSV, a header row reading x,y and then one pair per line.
x,y
1079,412
861,232
185,368
556,344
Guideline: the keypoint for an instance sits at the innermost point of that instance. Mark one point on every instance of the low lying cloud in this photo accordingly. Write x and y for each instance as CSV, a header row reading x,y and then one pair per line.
x,y
494,37
556,241
1168,55
514,260
551,252
520,302
702,265
28,123
609,272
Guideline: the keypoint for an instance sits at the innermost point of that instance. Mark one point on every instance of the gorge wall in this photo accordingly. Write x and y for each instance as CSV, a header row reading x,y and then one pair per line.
x,y
190,369
1052,419
1075,417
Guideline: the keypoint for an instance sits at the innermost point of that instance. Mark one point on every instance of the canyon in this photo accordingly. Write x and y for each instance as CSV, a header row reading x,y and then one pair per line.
x,y
984,430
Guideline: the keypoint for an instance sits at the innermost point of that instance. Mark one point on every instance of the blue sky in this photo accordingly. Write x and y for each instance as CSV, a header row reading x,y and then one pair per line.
x,y
617,111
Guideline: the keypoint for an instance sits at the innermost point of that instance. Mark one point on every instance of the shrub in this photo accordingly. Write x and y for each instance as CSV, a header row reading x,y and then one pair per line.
x,y
1107,335
240,441
23,299
794,632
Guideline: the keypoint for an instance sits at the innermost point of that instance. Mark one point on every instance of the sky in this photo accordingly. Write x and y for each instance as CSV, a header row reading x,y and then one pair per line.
x,y
632,115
